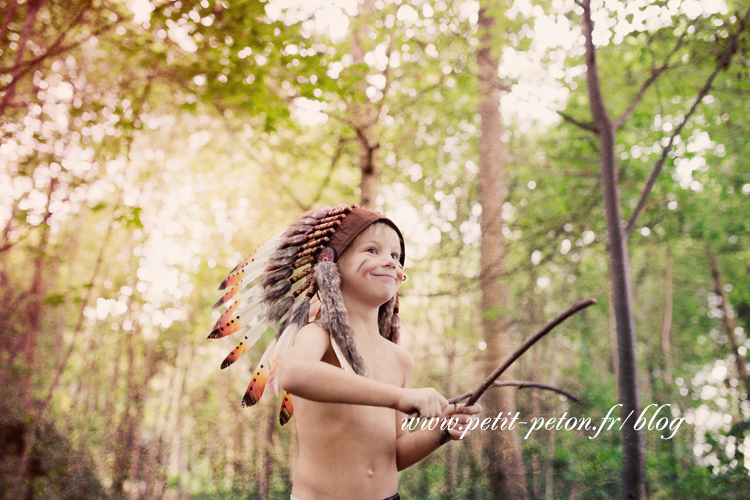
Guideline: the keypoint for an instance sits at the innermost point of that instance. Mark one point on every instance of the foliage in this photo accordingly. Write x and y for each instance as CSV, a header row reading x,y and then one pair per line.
x,y
166,144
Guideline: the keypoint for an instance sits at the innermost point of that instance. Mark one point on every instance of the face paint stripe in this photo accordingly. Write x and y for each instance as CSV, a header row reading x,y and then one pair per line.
x,y
362,264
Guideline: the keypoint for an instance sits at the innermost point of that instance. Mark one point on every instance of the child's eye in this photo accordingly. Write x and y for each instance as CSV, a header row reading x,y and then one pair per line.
x,y
371,250
394,255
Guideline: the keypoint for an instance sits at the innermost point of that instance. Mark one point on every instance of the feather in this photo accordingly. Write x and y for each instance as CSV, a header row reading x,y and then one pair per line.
x,y
228,296
252,336
301,313
287,409
282,346
340,356
280,309
224,325
233,319
293,240
248,340
297,320
281,259
275,276
253,267
247,279
271,244
252,304
257,260
320,212
276,292
260,377
247,274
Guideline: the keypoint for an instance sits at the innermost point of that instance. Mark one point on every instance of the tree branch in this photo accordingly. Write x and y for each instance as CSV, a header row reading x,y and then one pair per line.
x,y
590,127
518,383
722,63
654,75
31,12
9,10
477,393
334,160
490,380
570,172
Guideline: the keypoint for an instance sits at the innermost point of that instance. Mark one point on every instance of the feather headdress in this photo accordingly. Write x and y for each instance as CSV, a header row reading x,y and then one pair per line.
x,y
286,282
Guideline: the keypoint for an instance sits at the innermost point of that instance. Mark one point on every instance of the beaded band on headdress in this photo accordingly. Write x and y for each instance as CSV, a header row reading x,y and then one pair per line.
x,y
299,260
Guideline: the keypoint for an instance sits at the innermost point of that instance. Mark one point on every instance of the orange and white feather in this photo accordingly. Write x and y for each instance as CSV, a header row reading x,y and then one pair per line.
x,y
260,377
282,346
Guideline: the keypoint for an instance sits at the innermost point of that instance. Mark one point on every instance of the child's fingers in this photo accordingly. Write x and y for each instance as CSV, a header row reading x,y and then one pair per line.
x,y
463,409
463,427
465,418
427,402
437,404
472,410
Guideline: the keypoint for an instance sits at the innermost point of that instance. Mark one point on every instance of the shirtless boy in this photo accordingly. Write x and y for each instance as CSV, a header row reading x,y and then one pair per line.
x,y
347,376
351,442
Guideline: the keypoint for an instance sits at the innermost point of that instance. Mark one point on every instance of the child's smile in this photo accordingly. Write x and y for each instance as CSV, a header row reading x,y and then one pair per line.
x,y
371,264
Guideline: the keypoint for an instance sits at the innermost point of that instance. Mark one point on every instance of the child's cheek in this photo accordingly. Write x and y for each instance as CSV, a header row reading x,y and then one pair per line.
x,y
400,275
368,268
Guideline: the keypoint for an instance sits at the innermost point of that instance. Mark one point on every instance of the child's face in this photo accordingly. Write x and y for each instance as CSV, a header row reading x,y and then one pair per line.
x,y
370,268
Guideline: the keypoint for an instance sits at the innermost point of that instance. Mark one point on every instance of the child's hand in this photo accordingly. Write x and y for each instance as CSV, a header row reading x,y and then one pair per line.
x,y
427,401
465,415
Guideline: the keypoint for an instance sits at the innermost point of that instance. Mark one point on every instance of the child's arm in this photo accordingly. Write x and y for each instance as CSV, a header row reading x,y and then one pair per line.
x,y
303,374
413,447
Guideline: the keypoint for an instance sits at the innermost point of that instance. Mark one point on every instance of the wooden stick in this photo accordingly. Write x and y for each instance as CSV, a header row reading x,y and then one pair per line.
x,y
490,380
477,393
518,383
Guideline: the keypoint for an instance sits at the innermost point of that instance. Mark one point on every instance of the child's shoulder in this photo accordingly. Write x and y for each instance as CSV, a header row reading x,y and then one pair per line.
x,y
315,334
401,356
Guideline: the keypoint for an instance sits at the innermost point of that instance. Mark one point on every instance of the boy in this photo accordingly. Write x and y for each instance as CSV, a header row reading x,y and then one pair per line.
x,y
349,377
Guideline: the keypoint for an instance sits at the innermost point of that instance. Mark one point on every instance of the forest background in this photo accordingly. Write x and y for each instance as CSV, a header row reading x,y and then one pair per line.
x,y
147,147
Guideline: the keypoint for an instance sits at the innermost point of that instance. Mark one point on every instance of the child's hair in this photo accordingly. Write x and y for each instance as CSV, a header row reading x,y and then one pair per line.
x,y
378,230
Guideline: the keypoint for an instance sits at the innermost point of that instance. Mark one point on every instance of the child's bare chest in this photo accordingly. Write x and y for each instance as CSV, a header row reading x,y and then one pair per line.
x,y
380,361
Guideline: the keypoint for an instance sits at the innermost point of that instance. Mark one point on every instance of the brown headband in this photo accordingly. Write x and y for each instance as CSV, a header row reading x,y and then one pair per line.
x,y
354,223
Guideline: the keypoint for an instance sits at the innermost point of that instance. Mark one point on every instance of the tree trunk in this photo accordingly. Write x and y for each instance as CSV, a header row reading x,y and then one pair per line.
x,y
666,327
36,303
126,430
507,474
613,338
549,466
633,469
267,427
537,361
365,123
450,452
728,320
32,10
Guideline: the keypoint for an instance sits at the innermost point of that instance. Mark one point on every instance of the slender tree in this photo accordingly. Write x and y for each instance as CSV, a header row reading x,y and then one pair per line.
x,y
728,319
508,477
633,470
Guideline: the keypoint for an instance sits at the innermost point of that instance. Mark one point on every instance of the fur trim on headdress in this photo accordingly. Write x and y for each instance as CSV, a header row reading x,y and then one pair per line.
x,y
388,320
333,316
